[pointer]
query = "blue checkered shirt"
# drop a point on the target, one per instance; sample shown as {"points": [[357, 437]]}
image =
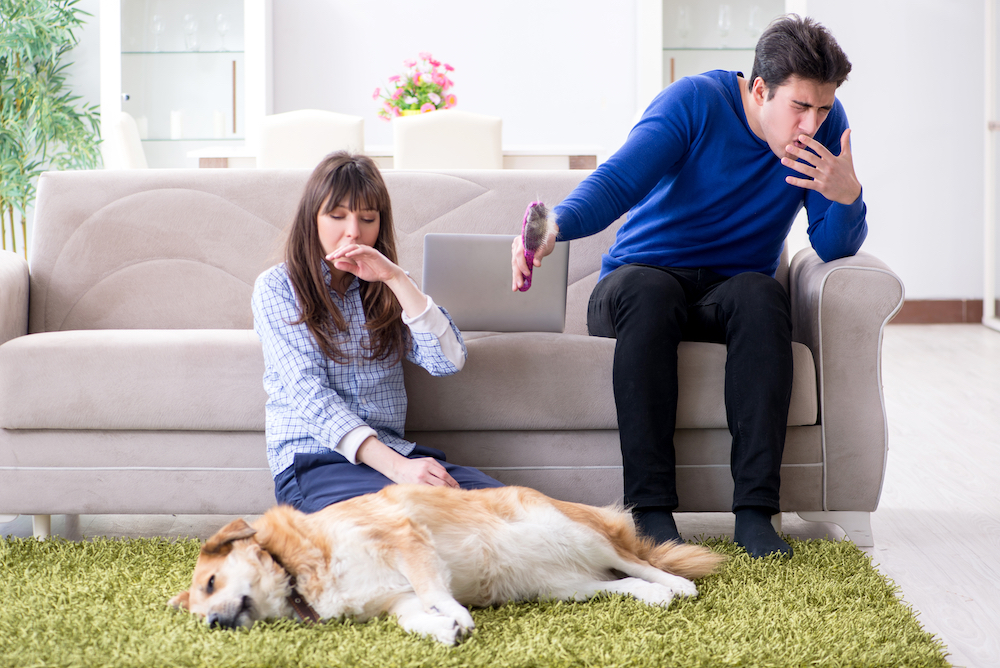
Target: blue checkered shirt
{"points": [[313, 401]]}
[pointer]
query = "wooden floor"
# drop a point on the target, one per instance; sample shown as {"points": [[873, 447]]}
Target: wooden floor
{"points": [[937, 530]]}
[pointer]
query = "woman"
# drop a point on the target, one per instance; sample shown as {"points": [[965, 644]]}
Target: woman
{"points": [[336, 319]]}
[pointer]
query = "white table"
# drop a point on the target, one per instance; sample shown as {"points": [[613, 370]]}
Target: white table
{"points": [[514, 157]]}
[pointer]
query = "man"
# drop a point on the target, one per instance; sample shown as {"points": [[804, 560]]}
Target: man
{"points": [[712, 177]]}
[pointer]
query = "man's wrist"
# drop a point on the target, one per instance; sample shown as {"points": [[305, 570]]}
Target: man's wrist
{"points": [[851, 200]]}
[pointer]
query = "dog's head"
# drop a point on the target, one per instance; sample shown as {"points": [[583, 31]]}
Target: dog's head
{"points": [[235, 582]]}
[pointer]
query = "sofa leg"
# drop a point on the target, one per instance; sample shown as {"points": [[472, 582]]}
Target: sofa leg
{"points": [[42, 526], [856, 524], [776, 522], [71, 530]]}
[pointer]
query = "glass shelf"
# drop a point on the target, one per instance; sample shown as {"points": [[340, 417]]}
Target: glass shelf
{"points": [[176, 53], [709, 48], [214, 140]]}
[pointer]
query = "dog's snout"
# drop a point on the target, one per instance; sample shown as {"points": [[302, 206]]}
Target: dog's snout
{"points": [[217, 621], [231, 616]]}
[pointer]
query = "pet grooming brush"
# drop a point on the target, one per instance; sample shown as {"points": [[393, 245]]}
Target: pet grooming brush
{"points": [[538, 224]]}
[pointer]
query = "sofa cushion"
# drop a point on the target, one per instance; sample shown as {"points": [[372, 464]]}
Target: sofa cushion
{"points": [[535, 380], [210, 379], [204, 379]]}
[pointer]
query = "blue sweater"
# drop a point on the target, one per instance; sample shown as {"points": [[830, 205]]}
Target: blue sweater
{"points": [[703, 191]]}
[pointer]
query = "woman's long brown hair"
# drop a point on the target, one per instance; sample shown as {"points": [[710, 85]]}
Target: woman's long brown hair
{"points": [[341, 176]]}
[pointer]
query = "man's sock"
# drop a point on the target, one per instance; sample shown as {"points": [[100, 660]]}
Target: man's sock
{"points": [[757, 536], [657, 523]]}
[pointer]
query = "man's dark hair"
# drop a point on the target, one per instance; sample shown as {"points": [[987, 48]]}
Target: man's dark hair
{"points": [[800, 47]]}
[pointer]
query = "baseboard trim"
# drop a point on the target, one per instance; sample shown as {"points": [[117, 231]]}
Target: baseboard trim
{"points": [[939, 311]]}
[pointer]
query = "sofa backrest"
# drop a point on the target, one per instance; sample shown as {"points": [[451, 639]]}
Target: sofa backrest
{"points": [[181, 248]]}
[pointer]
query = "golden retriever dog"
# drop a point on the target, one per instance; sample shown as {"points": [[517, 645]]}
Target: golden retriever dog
{"points": [[424, 553]]}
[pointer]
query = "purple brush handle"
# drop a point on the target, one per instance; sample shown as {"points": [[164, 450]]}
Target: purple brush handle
{"points": [[529, 254], [529, 257]]}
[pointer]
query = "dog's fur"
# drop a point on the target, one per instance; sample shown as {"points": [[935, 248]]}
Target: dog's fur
{"points": [[423, 553]]}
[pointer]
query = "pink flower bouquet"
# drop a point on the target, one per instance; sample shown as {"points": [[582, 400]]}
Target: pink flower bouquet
{"points": [[424, 87]]}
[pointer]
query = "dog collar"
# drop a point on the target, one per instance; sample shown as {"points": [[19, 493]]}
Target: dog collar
{"points": [[295, 599], [299, 604]]}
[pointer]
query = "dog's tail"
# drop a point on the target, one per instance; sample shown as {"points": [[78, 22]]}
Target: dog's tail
{"points": [[688, 561], [616, 524]]}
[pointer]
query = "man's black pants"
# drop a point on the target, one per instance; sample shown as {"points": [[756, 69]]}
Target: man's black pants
{"points": [[649, 310]]}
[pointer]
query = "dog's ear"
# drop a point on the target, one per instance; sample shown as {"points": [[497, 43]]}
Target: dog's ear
{"points": [[181, 600], [221, 542]]}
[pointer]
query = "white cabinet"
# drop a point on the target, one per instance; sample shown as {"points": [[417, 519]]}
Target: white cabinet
{"points": [[192, 73], [991, 129], [676, 38]]}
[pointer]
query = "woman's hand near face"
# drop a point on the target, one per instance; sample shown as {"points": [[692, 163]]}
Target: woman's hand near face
{"points": [[364, 262], [370, 265]]}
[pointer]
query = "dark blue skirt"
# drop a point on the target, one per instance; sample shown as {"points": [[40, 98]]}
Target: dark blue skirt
{"points": [[314, 481]]}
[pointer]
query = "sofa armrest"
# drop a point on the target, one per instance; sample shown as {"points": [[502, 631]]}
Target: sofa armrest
{"points": [[839, 310], [13, 296]]}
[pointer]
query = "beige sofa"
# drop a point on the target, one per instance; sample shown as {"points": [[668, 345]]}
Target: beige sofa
{"points": [[130, 378]]}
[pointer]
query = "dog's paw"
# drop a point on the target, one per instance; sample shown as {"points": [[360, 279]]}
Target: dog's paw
{"points": [[447, 620], [682, 586], [657, 594], [439, 627], [451, 632], [458, 612]]}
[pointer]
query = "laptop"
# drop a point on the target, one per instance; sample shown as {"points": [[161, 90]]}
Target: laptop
{"points": [[470, 276]]}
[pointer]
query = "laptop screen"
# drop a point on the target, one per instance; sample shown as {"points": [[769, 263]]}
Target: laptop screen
{"points": [[470, 276]]}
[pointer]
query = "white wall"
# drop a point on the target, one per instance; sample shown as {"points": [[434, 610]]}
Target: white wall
{"points": [[556, 71], [915, 102], [563, 72]]}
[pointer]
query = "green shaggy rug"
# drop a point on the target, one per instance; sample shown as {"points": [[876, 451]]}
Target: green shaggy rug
{"points": [[103, 603]]}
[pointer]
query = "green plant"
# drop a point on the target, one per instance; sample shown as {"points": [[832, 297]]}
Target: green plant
{"points": [[42, 124]]}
